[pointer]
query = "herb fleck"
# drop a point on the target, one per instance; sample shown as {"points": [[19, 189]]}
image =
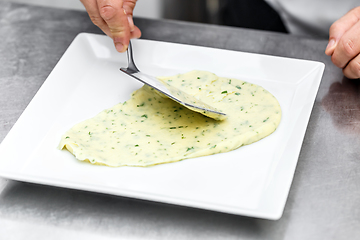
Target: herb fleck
{"points": [[190, 149], [141, 105]]}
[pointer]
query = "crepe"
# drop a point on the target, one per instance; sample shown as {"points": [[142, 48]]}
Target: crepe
{"points": [[151, 129]]}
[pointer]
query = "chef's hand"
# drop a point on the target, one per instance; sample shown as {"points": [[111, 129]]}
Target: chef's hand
{"points": [[114, 18], [344, 43]]}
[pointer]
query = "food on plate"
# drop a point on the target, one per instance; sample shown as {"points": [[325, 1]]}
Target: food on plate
{"points": [[151, 129]]}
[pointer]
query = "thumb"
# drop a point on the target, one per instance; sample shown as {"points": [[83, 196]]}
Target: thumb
{"points": [[341, 26], [115, 17]]}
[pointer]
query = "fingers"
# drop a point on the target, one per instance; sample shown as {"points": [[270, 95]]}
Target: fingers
{"points": [[348, 47], [340, 27], [129, 6], [116, 19], [136, 33], [344, 43], [94, 14], [352, 70]]}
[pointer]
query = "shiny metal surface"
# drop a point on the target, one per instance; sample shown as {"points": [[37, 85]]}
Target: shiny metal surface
{"points": [[171, 92], [324, 198]]}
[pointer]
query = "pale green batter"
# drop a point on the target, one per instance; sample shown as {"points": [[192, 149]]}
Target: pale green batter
{"points": [[149, 129]]}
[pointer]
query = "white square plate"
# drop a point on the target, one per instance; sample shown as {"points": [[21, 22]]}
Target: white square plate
{"points": [[253, 180]]}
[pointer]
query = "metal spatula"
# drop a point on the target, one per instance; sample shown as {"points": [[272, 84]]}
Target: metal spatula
{"points": [[183, 98]]}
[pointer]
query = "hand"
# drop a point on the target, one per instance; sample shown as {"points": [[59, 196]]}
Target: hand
{"points": [[344, 43], [114, 18]]}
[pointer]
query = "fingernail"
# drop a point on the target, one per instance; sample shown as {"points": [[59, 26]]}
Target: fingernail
{"points": [[131, 23], [119, 47], [330, 44]]}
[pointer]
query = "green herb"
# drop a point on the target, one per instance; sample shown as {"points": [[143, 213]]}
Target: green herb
{"points": [[148, 135], [198, 77], [229, 81], [145, 116], [141, 105], [172, 127], [136, 145], [213, 147], [237, 94], [223, 92], [190, 149], [67, 137], [266, 119]]}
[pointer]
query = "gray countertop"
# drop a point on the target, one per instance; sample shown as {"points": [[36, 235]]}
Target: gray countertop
{"points": [[324, 198]]}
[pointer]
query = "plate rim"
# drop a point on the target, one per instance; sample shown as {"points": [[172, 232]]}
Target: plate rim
{"points": [[272, 215]]}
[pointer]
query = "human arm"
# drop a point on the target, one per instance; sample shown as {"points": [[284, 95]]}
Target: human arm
{"points": [[115, 19]]}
